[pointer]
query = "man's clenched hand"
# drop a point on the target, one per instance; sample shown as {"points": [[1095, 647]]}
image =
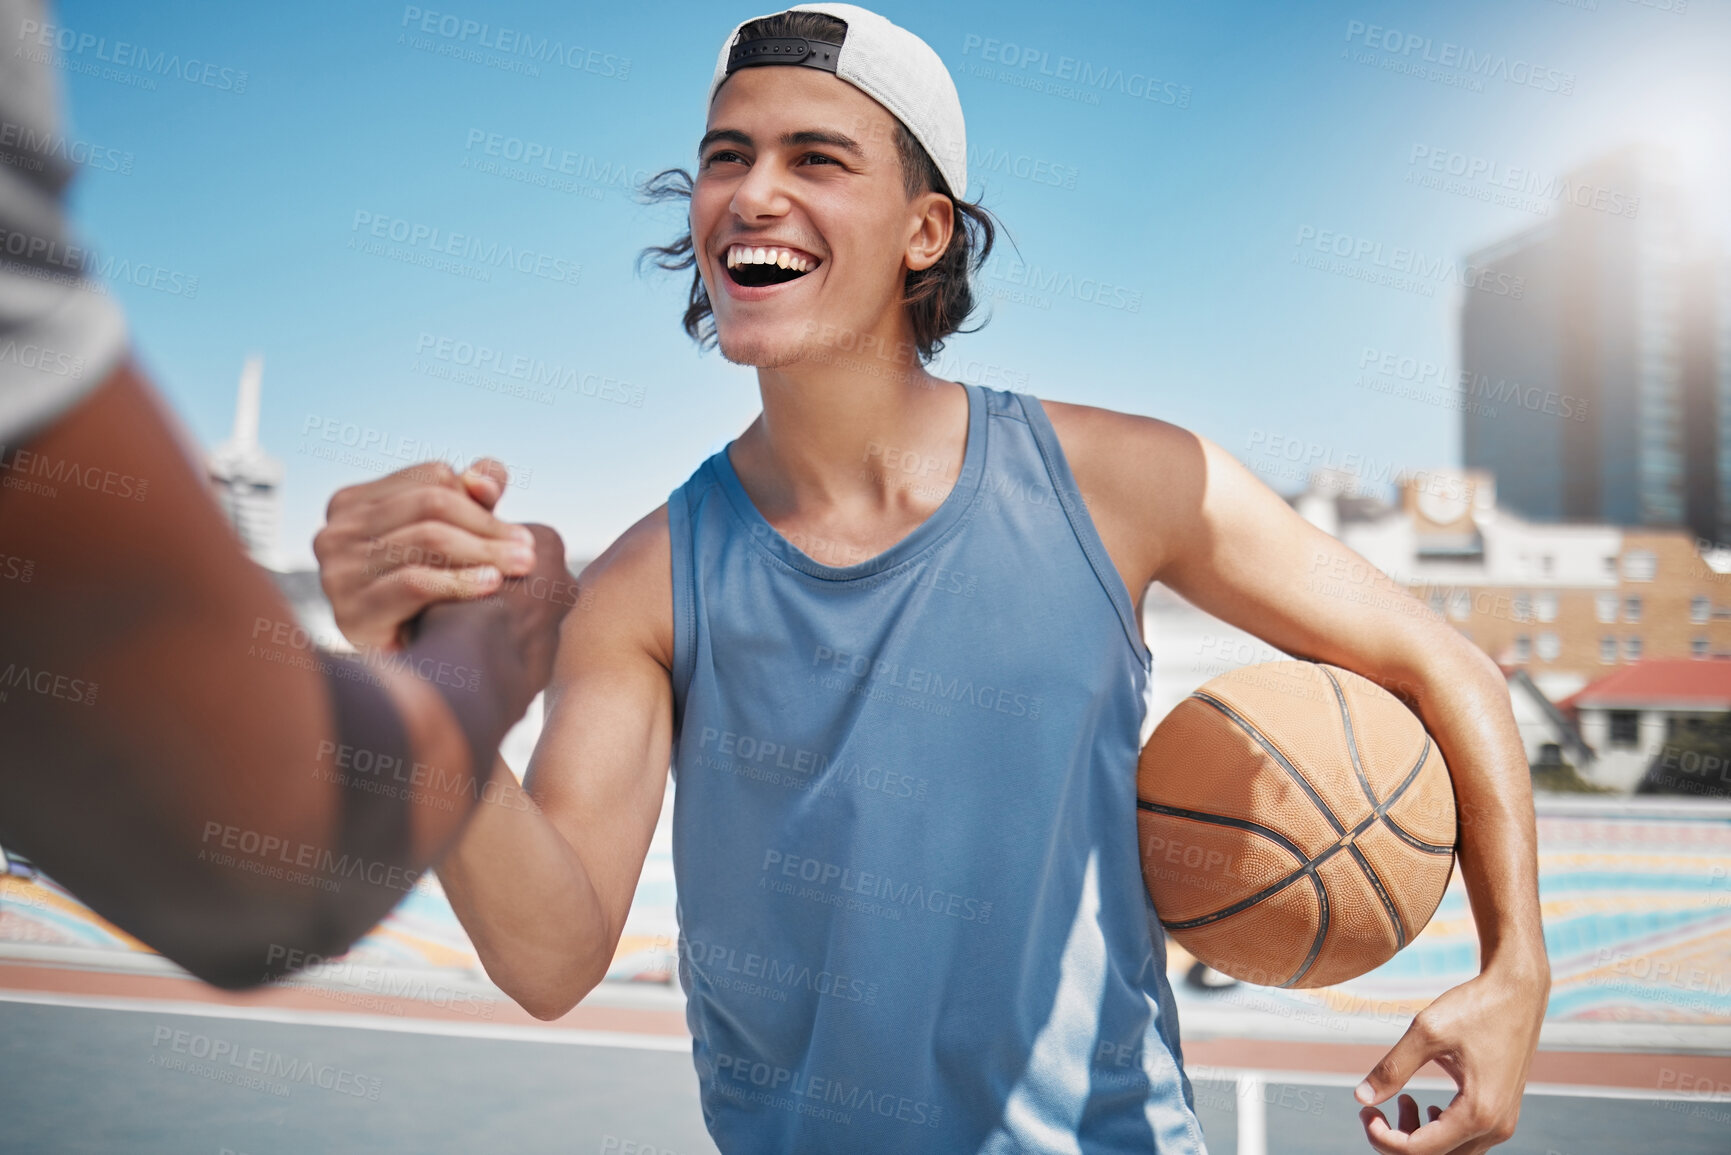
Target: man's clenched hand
{"points": [[391, 548]]}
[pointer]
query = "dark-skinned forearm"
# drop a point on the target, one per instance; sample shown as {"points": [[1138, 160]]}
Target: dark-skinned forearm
{"points": [[435, 708]]}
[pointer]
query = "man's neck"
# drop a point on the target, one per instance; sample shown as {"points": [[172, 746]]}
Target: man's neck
{"points": [[875, 439]]}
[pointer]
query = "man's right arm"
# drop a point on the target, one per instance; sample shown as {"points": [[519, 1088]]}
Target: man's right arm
{"points": [[542, 878], [544, 888]]}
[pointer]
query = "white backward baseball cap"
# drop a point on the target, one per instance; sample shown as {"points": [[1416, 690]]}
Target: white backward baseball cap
{"points": [[883, 60]]}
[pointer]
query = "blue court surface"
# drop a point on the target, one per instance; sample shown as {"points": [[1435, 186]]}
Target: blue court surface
{"points": [[404, 1046]]}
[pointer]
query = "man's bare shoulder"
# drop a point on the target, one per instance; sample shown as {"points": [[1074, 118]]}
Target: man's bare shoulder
{"points": [[626, 593], [1140, 478]]}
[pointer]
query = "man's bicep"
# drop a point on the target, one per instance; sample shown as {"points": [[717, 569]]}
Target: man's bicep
{"points": [[1250, 559]]}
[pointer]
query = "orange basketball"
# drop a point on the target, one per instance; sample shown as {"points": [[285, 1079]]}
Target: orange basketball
{"points": [[1297, 824]]}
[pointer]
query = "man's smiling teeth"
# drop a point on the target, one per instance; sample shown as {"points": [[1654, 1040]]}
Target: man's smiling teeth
{"points": [[782, 258]]}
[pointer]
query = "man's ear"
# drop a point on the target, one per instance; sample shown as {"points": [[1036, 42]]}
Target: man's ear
{"points": [[934, 225]]}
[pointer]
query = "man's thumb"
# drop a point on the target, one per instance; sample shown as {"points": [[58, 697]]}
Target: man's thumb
{"points": [[1396, 1067]]}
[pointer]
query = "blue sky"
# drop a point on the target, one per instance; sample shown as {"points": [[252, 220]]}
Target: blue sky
{"points": [[1267, 120]]}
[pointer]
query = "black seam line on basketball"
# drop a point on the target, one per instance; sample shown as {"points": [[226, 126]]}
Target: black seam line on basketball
{"points": [[1377, 811], [1379, 814], [1321, 932], [1387, 902], [1250, 728], [1415, 843], [1381, 811], [1307, 865], [1272, 888], [1351, 738], [1222, 820]]}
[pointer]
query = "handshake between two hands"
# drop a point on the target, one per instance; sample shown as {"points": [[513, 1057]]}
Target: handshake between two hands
{"points": [[393, 549]]}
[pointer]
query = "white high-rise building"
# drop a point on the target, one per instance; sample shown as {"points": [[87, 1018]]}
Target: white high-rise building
{"points": [[248, 481]]}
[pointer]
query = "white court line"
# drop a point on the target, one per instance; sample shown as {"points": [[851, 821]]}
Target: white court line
{"points": [[1200, 1073], [1204, 1073], [404, 1025]]}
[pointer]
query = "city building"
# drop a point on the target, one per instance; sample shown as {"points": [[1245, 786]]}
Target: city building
{"points": [[247, 480], [1630, 718], [1565, 602], [1601, 387]]}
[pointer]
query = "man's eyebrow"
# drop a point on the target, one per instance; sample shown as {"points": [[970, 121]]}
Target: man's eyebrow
{"points": [[820, 136], [732, 135], [788, 139]]}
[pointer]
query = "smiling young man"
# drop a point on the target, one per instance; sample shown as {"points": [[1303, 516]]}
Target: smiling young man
{"points": [[889, 639]]}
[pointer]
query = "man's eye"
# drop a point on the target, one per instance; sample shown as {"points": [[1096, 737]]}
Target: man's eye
{"points": [[822, 157], [721, 154]]}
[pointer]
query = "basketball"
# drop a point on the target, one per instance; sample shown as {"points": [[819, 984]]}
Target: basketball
{"points": [[1297, 824]]}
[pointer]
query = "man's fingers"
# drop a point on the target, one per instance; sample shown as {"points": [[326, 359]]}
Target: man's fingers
{"points": [[1443, 1135], [401, 508], [424, 473], [486, 480], [1400, 1064], [403, 593], [426, 585], [1408, 1114], [440, 545]]}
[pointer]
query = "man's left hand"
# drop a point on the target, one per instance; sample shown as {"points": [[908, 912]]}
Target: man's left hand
{"points": [[1483, 1033]]}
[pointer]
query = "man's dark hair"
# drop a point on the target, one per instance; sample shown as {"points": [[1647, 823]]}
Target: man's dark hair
{"points": [[938, 298]]}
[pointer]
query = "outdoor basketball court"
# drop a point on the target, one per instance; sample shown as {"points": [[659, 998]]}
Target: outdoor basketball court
{"points": [[82, 1079], [404, 1045]]}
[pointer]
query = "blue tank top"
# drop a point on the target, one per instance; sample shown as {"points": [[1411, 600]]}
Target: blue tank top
{"points": [[911, 908]]}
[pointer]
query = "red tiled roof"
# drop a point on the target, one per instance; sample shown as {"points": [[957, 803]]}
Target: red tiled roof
{"points": [[1702, 682]]}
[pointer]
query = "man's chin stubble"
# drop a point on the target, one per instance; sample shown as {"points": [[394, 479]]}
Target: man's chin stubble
{"points": [[761, 355]]}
